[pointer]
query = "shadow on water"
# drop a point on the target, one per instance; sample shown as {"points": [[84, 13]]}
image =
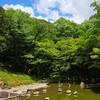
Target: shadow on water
{"points": [[96, 89]]}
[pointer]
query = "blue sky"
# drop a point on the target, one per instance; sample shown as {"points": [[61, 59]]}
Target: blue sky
{"points": [[51, 10]]}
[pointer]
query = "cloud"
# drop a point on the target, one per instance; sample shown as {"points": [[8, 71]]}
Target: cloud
{"points": [[29, 10], [22, 8], [53, 15], [82, 10], [53, 9], [40, 17], [42, 6]]}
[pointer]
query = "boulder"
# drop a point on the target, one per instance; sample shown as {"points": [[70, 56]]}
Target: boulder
{"points": [[82, 85], [36, 93], [75, 93], [59, 90], [47, 98], [44, 90], [6, 95], [68, 92]]}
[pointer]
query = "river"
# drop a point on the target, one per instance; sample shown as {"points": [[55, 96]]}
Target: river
{"points": [[53, 94]]}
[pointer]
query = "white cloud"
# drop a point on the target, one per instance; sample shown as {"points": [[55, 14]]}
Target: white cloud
{"points": [[43, 6], [40, 17], [53, 15], [77, 19], [80, 9], [66, 6], [54, 9], [22, 8], [29, 10]]}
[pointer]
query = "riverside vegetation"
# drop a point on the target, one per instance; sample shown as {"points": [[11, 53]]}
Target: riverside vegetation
{"points": [[63, 50], [15, 79]]}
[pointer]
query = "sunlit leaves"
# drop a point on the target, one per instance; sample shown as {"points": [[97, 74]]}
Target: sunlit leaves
{"points": [[28, 56], [48, 47], [94, 56], [96, 50]]}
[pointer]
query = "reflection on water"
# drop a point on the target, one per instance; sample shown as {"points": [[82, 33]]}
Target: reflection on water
{"points": [[53, 93]]}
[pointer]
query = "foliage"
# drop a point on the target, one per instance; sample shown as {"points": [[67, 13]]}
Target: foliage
{"points": [[60, 50]]}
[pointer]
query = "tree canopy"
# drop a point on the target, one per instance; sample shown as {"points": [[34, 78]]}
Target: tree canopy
{"points": [[61, 50]]}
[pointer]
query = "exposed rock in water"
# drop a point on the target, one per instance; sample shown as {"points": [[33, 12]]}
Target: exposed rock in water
{"points": [[82, 85], [36, 93], [47, 98], [68, 92], [75, 93], [59, 90]]}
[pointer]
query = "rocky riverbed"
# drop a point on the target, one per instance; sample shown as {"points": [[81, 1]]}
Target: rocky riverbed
{"points": [[6, 95], [16, 91]]}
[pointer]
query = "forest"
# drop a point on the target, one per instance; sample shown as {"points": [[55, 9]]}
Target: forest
{"points": [[63, 50]]}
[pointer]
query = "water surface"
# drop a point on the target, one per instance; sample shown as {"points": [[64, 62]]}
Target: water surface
{"points": [[53, 94]]}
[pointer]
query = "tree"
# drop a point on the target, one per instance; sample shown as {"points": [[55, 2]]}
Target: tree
{"points": [[67, 28], [44, 54], [20, 39], [4, 24]]}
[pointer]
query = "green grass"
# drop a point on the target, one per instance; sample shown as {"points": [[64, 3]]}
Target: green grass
{"points": [[15, 79]]}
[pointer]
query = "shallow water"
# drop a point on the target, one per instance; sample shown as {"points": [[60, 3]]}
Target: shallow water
{"points": [[53, 94]]}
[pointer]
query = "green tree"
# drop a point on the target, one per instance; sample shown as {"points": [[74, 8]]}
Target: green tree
{"points": [[67, 28]]}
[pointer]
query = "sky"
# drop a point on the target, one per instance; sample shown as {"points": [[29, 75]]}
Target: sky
{"points": [[51, 10]]}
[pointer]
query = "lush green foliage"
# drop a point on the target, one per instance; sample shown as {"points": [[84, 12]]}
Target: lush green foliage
{"points": [[60, 50]]}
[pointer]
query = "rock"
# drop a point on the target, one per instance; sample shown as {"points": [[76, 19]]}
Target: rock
{"points": [[47, 98], [60, 85], [59, 90], [68, 92], [29, 91], [44, 80], [5, 95], [44, 90], [75, 93], [82, 85], [23, 93], [36, 93], [28, 95]]}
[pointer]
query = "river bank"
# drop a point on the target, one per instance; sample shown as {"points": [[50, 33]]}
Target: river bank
{"points": [[19, 89], [15, 79]]}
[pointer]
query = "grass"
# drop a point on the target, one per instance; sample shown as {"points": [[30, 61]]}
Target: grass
{"points": [[15, 79]]}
